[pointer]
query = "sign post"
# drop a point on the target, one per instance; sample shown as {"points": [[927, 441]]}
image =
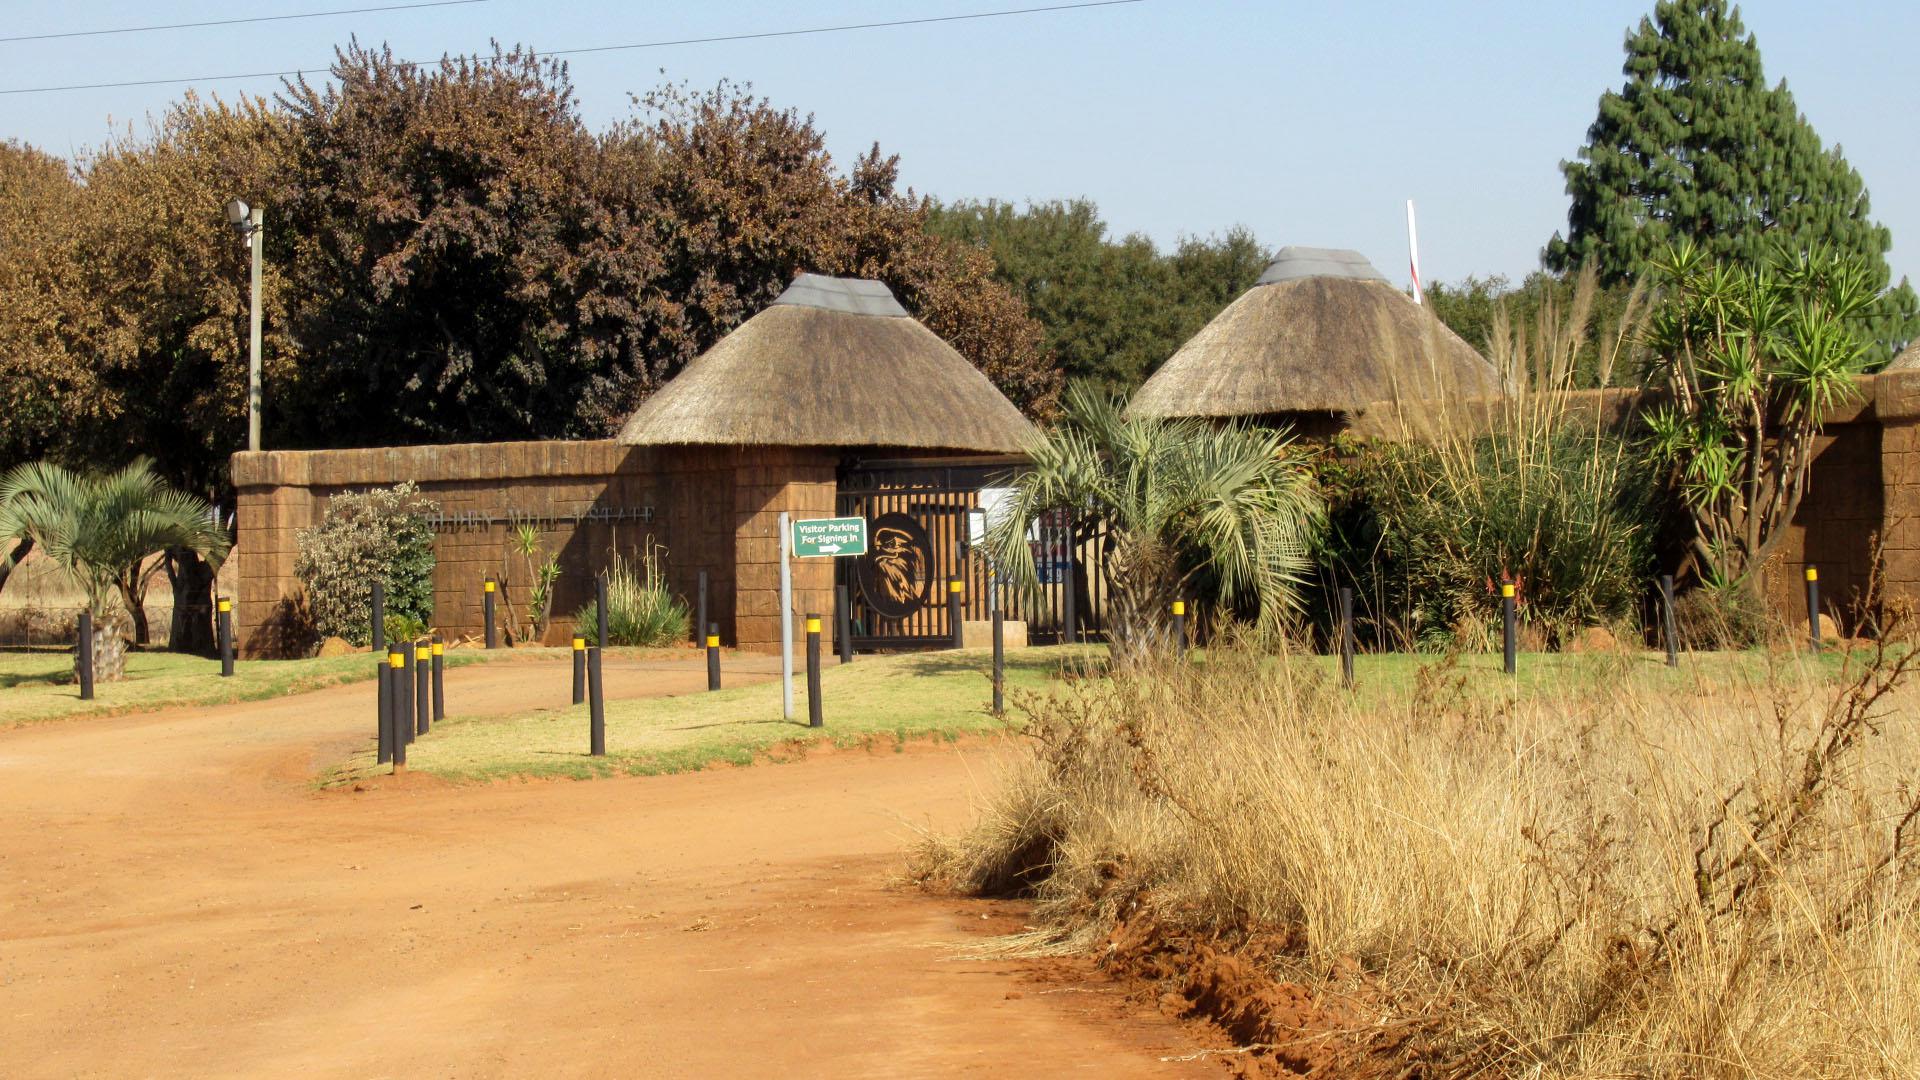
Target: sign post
{"points": [[816, 538], [786, 615], [830, 536]]}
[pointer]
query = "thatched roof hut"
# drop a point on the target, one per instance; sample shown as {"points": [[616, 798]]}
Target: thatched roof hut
{"points": [[1908, 360], [1321, 332], [831, 362]]}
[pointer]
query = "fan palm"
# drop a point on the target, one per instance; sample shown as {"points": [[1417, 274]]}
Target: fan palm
{"points": [[100, 529], [1180, 499]]}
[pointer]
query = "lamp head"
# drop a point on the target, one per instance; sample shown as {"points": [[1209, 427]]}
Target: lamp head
{"points": [[237, 212]]}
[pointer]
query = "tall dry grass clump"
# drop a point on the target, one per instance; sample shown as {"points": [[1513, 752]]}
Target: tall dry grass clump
{"points": [[1638, 874], [1542, 487]]}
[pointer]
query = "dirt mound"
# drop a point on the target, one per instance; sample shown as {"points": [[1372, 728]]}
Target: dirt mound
{"points": [[1347, 1028]]}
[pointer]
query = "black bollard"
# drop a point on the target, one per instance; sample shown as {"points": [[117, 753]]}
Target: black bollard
{"points": [[399, 693], [843, 624], [955, 616], [1508, 616], [385, 712], [596, 707], [700, 624], [85, 647], [1346, 637], [579, 669], [1813, 609], [713, 656], [1180, 627], [223, 609], [813, 672], [403, 694], [493, 632], [999, 661], [600, 606], [1667, 620], [439, 679], [422, 688], [379, 617], [1069, 618]]}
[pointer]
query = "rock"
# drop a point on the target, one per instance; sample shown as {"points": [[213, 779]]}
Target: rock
{"points": [[336, 646], [1829, 630], [559, 634], [1594, 639]]}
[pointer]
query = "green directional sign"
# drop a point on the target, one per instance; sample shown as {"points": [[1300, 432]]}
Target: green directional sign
{"points": [[826, 537]]}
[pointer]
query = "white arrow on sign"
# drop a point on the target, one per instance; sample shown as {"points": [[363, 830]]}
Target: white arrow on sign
{"points": [[827, 549]]}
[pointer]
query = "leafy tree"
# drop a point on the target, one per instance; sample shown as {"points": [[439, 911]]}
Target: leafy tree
{"points": [[1113, 309], [47, 390], [474, 263], [1183, 501], [1696, 147], [1754, 357], [101, 529]]}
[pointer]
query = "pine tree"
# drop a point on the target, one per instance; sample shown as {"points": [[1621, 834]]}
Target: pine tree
{"points": [[1696, 146]]}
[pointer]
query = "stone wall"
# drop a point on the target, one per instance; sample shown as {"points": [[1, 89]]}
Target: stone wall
{"points": [[695, 507], [1865, 487]]}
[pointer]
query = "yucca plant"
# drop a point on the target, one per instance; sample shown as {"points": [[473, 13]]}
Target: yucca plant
{"points": [[640, 609], [100, 529], [1755, 356], [1181, 499]]}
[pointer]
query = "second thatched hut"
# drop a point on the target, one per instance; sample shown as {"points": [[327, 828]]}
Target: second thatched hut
{"points": [[1319, 338]]}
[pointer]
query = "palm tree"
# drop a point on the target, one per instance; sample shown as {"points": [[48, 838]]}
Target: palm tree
{"points": [[1180, 498], [100, 528]]}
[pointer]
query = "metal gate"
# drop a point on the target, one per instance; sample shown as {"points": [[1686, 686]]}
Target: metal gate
{"points": [[921, 514]]}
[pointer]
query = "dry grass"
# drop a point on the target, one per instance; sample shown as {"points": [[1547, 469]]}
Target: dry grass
{"points": [[1709, 876]]}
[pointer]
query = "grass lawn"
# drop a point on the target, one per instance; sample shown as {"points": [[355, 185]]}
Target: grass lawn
{"points": [[886, 699], [890, 699], [36, 684]]}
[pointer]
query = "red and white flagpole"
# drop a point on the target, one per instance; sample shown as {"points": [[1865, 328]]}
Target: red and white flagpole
{"points": [[1413, 253]]}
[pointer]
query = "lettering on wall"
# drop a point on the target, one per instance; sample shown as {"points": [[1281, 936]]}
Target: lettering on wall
{"points": [[475, 520]]}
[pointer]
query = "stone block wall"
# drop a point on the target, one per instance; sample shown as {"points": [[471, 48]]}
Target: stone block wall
{"points": [[693, 507]]}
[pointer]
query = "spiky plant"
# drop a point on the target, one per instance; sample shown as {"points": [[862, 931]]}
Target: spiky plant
{"points": [[100, 528], [1180, 499]]}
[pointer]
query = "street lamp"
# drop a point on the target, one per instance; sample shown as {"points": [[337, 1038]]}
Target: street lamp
{"points": [[249, 222]]}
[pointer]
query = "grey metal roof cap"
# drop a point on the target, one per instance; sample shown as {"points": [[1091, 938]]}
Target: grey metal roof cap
{"points": [[854, 296], [1294, 263]]}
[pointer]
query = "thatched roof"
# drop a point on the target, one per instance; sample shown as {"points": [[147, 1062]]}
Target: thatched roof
{"points": [[1322, 331], [1908, 360], [831, 362]]}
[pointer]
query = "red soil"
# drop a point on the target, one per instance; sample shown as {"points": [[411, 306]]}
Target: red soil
{"points": [[176, 899]]}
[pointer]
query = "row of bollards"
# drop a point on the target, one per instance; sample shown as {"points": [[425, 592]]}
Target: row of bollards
{"points": [[411, 688]]}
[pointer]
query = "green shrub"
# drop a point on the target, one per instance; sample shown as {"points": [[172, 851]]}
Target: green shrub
{"points": [[402, 626], [1535, 489], [381, 534], [1565, 513], [640, 610]]}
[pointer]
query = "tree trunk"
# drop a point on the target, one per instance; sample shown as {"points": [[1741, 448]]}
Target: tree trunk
{"points": [[192, 578], [20, 550], [109, 651], [1145, 583], [137, 610]]}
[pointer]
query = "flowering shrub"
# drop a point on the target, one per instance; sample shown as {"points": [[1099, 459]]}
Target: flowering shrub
{"points": [[366, 536]]}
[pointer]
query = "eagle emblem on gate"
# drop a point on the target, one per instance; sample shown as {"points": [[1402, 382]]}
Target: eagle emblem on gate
{"points": [[896, 573]]}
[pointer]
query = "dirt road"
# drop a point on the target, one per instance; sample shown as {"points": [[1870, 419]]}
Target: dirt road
{"points": [[176, 899]]}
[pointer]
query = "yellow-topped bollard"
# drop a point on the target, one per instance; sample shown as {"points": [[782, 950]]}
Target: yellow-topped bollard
{"points": [[579, 669]]}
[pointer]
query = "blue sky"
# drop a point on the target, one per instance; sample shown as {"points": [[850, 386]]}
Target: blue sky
{"points": [[1308, 123]]}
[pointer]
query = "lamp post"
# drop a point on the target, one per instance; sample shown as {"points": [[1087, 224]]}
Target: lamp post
{"points": [[249, 222]]}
